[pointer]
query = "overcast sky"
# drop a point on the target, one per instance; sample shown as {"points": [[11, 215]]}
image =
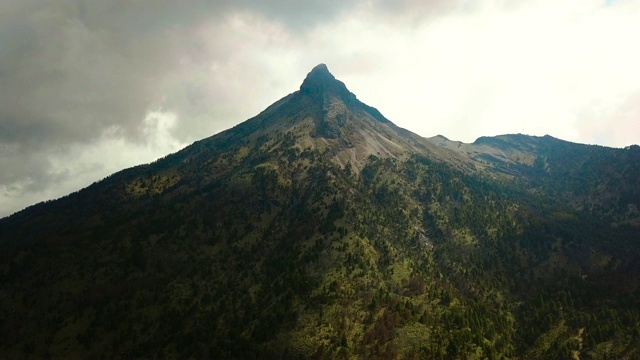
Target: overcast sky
{"points": [[88, 88]]}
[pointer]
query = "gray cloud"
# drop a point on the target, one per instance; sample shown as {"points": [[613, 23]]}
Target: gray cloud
{"points": [[70, 69]]}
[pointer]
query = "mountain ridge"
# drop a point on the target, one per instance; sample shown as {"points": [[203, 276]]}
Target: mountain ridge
{"points": [[320, 81]]}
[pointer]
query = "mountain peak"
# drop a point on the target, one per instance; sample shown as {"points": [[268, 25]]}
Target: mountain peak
{"points": [[321, 68], [320, 81]]}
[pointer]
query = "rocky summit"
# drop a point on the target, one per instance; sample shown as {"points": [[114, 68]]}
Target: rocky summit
{"points": [[319, 229]]}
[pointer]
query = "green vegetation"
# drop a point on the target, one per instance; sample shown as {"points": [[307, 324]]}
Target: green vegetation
{"points": [[274, 240], [299, 258]]}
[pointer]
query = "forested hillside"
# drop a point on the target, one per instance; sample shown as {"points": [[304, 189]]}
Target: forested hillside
{"points": [[318, 229]]}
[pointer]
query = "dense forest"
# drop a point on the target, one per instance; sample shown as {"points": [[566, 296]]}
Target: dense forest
{"points": [[282, 239]]}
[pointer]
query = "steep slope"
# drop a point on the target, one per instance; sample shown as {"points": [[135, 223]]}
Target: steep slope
{"points": [[324, 116], [320, 229]]}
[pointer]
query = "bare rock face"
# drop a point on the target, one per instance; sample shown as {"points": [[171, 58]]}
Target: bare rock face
{"points": [[332, 96], [337, 103], [348, 128], [320, 84]]}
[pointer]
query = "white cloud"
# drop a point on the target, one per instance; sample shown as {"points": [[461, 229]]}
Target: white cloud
{"points": [[536, 69]]}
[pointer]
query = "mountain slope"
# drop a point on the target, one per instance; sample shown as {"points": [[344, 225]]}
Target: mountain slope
{"points": [[320, 229], [603, 181]]}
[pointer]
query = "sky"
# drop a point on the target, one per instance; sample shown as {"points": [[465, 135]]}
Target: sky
{"points": [[88, 88]]}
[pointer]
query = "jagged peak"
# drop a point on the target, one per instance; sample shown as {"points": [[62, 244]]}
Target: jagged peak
{"points": [[320, 81], [321, 68], [319, 72]]}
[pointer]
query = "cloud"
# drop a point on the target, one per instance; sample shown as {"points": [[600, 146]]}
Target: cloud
{"points": [[536, 68], [70, 69], [85, 75], [61, 172]]}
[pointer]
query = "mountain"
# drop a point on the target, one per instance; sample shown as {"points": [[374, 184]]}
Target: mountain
{"points": [[319, 229]]}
